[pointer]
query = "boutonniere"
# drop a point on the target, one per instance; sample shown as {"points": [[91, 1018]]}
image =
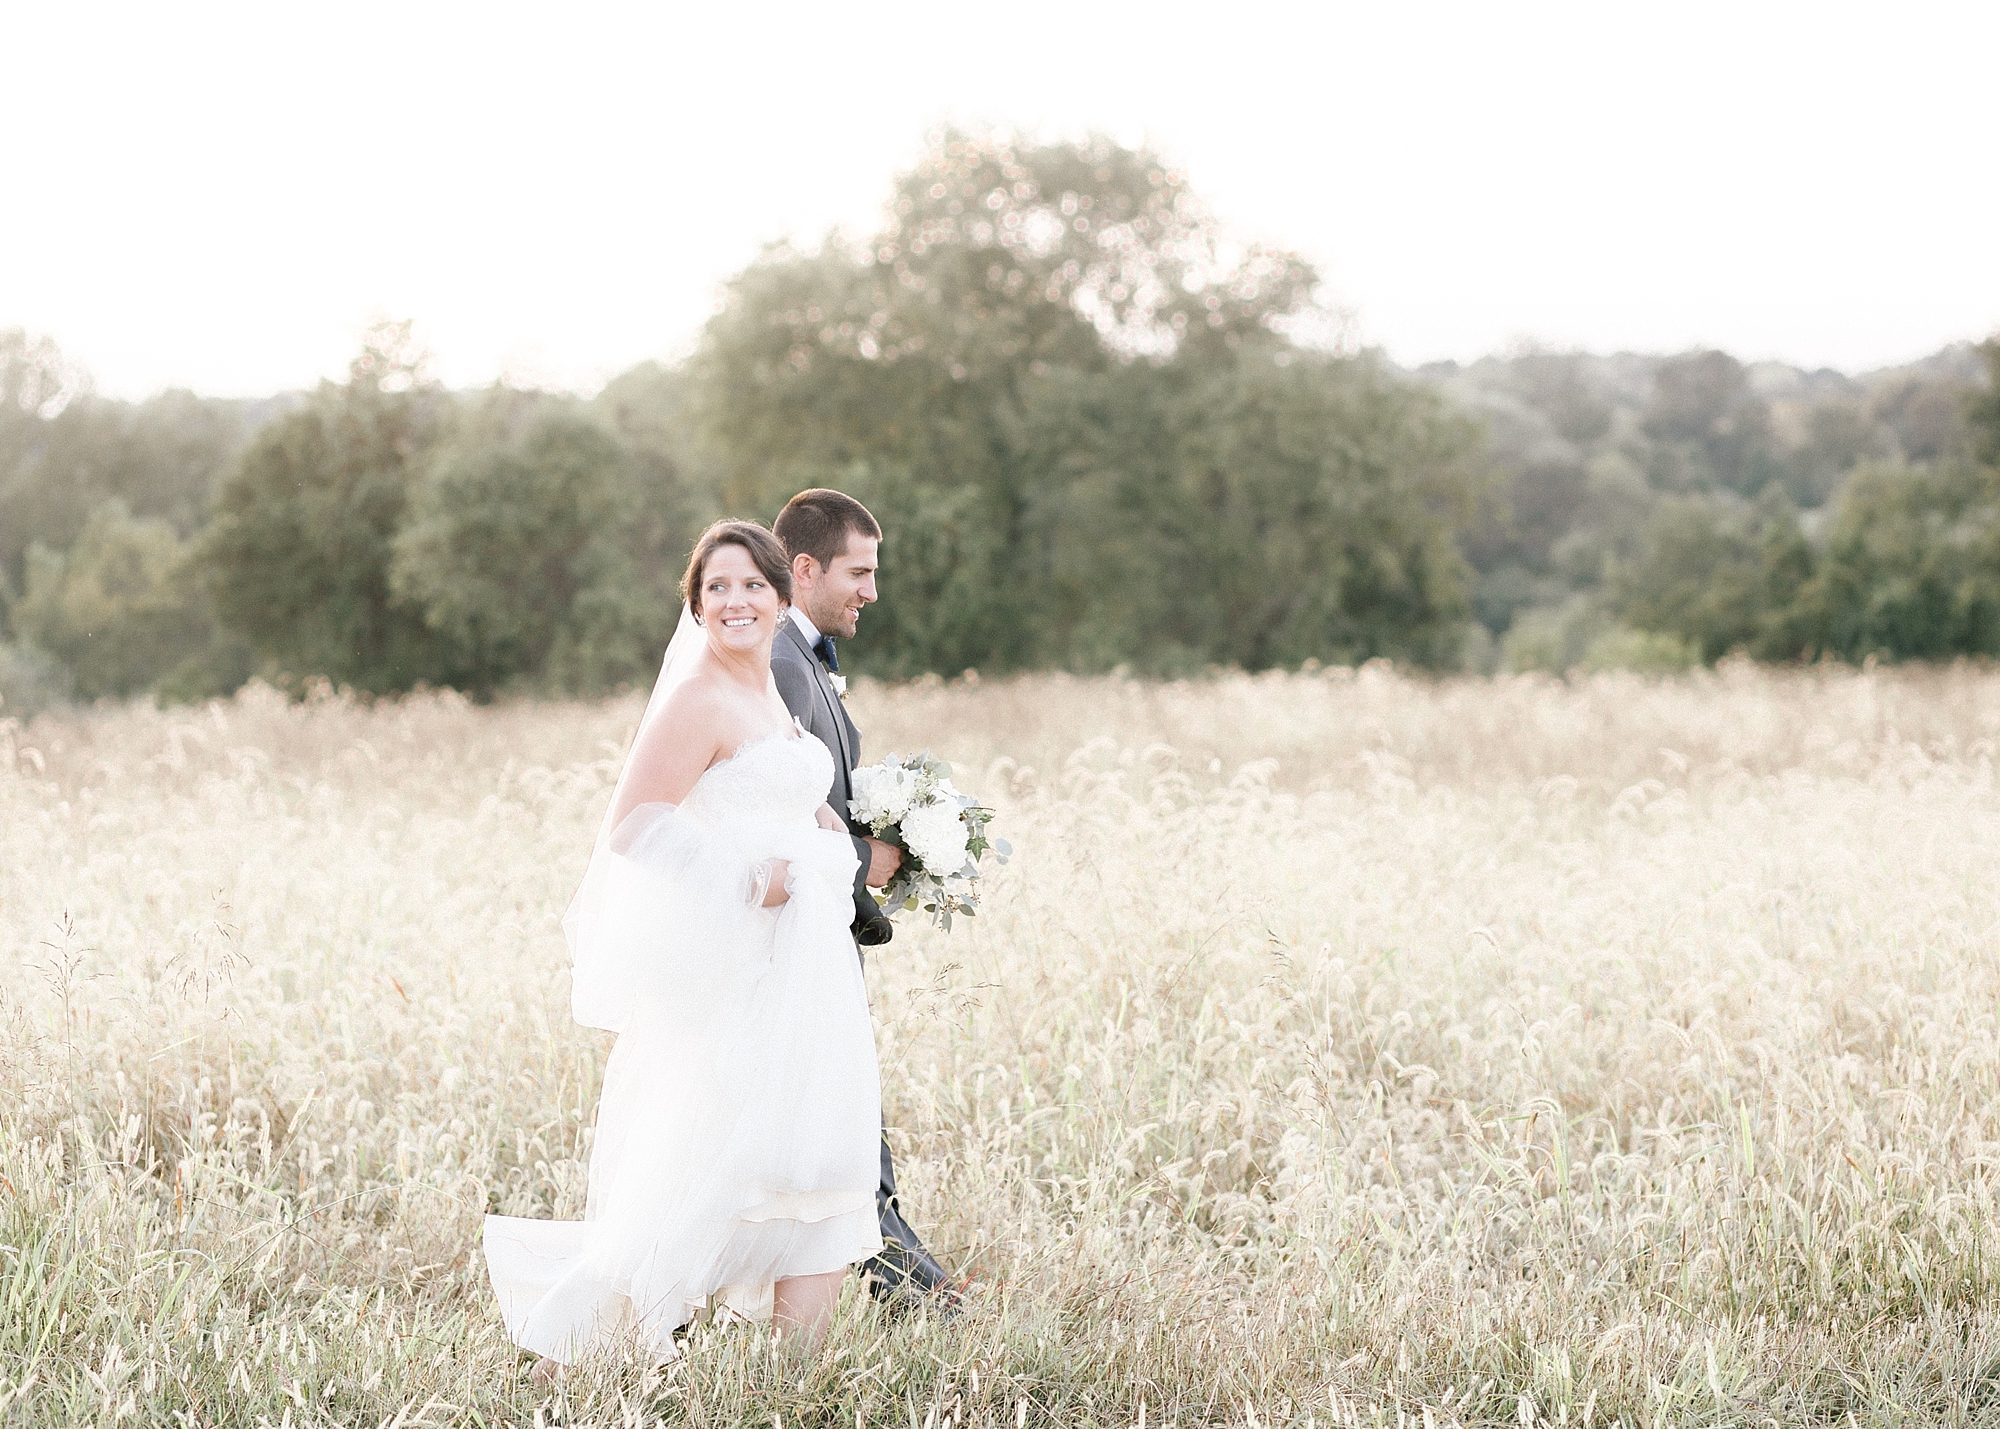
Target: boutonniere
{"points": [[839, 684]]}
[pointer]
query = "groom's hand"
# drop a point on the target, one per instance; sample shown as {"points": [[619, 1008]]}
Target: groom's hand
{"points": [[883, 861]]}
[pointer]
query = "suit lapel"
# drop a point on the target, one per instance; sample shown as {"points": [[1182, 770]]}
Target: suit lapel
{"points": [[843, 728]]}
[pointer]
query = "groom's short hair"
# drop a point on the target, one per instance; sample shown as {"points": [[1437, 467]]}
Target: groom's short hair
{"points": [[818, 523]]}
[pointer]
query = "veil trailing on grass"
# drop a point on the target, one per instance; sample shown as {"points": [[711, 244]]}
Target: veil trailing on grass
{"points": [[603, 972]]}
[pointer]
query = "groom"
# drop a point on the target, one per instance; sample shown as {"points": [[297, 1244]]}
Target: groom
{"points": [[832, 541]]}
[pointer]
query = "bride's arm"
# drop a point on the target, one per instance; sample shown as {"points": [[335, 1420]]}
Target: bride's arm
{"points": [[673, 751]]}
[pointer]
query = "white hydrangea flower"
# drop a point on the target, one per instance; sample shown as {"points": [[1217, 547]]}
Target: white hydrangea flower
{"points": [[882, 794], [902, 791], [868, 786], [936, 835]]}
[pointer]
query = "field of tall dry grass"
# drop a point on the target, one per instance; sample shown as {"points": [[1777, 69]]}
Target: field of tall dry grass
{"points": [[1339, 1048]]}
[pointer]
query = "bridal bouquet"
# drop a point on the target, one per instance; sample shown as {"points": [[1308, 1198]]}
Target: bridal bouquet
{"points": [[911, 803]]}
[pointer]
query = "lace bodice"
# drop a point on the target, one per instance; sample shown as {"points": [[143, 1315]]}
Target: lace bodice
{"points": [[779, 778]]}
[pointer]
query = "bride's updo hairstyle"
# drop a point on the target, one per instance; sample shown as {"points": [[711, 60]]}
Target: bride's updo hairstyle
{"points": [[765, 552]]}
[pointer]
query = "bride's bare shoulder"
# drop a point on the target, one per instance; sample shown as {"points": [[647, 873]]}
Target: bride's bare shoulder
{"points": [[689, 733], [695, 711]]}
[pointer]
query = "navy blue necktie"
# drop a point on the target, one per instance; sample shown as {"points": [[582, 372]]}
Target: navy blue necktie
{"points": [[825, 652]]}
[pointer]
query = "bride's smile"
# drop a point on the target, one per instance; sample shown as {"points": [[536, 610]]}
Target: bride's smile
{"points": [[738, 603]]}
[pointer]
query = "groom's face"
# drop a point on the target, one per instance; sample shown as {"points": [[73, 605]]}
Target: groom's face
{"points": [[832, 596]]}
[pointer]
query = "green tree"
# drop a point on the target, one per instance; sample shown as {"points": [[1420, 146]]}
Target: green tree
{"points": [[64, 452], [1033, 369], [1912, 565], [1839, 436], [532, 545], [1714, 429], [653, 409], [1252, 510], [1721, 577], [299, 548], [1982, 409], [121, 609]]}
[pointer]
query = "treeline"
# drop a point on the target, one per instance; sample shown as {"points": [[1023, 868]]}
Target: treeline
{"points": [[1098, 432], [380, 532], [1662, 511], [1086, 419]]}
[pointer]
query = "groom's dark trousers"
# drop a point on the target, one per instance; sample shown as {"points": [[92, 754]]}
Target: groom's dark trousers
{"points": [[904, 1268]]}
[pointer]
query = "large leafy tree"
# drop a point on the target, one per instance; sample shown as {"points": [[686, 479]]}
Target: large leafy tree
{"points": [[1912, 561], [1249, 511], [65, 452], [298, 552], [1082, 413], [1912, 564], [120, 609], [536, 546], [1722, 576], [995, 263]]}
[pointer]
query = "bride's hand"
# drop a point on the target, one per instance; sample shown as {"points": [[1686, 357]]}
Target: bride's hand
{"points": [[767, 887], [830, 820]]}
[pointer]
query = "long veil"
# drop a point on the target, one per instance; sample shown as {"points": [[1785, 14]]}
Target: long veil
{"points": [[602, 978]]}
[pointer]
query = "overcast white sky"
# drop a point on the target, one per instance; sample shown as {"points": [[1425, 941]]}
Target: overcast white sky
{"points": [[221, 197]]}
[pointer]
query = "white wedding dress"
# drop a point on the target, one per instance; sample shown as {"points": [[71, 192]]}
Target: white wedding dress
{"points": [[738, 1130]]}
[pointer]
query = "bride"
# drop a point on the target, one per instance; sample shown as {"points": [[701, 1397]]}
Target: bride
{"points": [[736, 1142]]}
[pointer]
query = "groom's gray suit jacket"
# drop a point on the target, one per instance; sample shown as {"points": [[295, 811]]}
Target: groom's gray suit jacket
{"points": [[808, 692]]}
